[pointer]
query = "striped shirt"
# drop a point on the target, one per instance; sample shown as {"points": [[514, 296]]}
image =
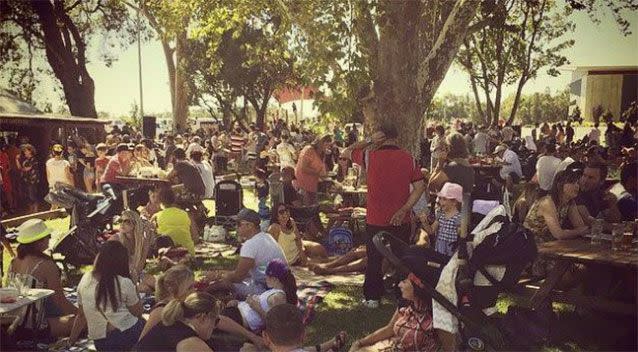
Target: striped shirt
{"points": [[237, 143], [447, 232]]}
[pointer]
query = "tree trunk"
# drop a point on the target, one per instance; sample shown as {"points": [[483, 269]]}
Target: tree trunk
{"points": [[66, 53], [180, 108], [170, 67], [517, 100], [410, 64]]}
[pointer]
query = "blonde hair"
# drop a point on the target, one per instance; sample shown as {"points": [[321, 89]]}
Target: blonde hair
{"points": [[196, 303], [139, 246], [169, 282]]}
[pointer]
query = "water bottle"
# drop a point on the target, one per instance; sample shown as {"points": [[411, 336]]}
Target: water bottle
{"points": [[596, 232]]}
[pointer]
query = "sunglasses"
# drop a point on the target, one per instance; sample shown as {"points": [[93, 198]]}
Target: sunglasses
{"points": [[282, 211], [126, 221]]}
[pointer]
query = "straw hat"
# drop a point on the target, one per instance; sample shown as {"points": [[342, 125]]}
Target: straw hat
{"points": [[32, 230]]}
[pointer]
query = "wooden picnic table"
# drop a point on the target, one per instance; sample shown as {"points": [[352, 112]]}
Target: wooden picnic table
{"points": [[567, 253], [33, 295]]}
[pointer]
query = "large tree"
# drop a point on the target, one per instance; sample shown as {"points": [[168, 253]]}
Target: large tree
{"points": [[61, 29], [513, 49], [406, 47], [248, 49]]}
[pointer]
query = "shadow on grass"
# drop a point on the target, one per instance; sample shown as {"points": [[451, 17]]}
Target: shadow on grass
{"points": [[341, 310]]}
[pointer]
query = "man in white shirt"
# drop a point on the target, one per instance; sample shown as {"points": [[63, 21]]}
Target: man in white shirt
{"points": [[194, 145], [546, 168], [594, 134], [258, 249], [58, 169], [480, 141], [286, 153], [511, 172]]}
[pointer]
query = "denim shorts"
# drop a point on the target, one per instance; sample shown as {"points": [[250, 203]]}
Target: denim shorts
{"points": [[120, 340]]}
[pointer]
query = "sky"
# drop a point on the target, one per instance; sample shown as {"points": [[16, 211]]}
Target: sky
{"points": [[117, 86]]}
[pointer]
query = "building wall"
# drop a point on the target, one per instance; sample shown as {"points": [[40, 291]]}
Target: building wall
{"points": [[603, 90]]}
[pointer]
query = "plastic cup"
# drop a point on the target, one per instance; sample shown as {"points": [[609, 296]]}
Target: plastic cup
{"points": [[617, 235]]}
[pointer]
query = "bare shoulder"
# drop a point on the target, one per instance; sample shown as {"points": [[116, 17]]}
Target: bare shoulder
{"points": [[192, 344], [274, 228]]}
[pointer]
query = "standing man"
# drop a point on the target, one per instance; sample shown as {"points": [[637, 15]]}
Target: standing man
{"points": [[480, 141], [569, 133], [594, 134], [390, 172]]}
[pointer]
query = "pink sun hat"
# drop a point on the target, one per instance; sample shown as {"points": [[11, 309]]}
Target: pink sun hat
{"points": [[451, 191]]}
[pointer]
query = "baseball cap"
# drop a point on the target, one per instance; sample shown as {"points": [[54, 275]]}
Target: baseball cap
{"points": [[277, 268], [248, 215], [57, 148], [122, 147]]}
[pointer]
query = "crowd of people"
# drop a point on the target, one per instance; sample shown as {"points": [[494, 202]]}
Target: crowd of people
{"points": [[558, 186]]}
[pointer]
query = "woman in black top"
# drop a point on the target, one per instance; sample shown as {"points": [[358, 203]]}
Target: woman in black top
{"points": [[457, 170], [186, 325]]}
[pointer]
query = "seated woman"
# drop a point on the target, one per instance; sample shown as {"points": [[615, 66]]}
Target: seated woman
{"points": [[282, 289], [174, 222], [109, 303], [186, 325], [38, 270], [410, 328], [548, 213], [137, 235], [176, 284], [284, 230]]}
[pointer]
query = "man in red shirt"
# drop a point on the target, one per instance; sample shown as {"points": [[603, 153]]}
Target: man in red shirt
{"points": [[118, 165], [390, 172]]}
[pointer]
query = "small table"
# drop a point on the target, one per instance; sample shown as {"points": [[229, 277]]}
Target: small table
{"points": [[34, 295], [580, 251], [132, 181]]}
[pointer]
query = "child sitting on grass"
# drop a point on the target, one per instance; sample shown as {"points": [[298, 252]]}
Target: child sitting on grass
{"points": [[282, 289], [448, 219]]}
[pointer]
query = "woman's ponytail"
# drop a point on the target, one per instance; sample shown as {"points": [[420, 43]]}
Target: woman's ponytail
{"points": [[195, 303], [172, 312], [290, 288]]}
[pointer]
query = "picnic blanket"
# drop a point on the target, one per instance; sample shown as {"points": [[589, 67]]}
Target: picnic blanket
{"points": [[310, 295]]}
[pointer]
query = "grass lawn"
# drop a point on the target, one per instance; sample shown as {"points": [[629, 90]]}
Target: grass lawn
{"points": [[341, 310]]}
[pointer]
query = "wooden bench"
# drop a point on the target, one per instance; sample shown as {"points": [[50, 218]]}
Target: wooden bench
{"points": [[44, 215]]}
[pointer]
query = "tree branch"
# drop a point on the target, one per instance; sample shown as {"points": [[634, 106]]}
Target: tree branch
{"points": [[366, 32], [442, 53], [72, 6]]}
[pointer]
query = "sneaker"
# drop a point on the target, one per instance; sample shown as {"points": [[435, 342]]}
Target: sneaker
{"points": [[370, 303]]}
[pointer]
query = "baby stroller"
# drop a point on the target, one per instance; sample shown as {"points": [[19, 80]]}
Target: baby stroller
{"points": [[229, 200], [90, 216], [502, 250]]}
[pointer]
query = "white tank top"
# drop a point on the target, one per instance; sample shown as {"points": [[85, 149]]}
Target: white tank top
{"points": [[286, 241], [251, 317]]}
